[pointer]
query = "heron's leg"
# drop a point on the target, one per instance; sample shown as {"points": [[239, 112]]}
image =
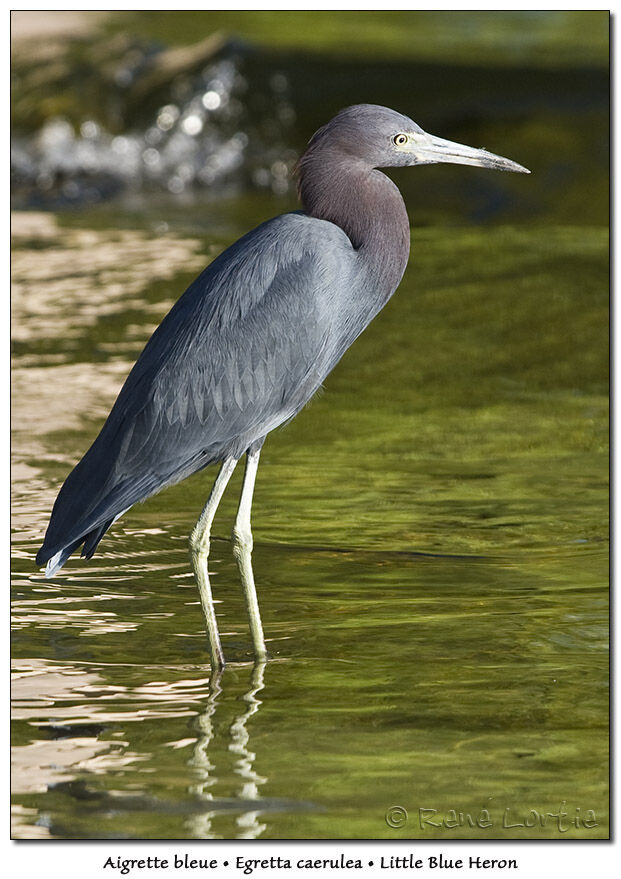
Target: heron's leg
{"points": [[242, 549], [199, 549]]}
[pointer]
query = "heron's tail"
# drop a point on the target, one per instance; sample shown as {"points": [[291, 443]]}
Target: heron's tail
{"points": [[55, 562], [54, 558], [97, 492]]}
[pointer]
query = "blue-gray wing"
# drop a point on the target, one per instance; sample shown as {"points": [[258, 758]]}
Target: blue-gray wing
{"points": [[242, 351]]}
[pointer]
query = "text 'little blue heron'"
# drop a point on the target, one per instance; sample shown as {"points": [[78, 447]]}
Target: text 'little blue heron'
{"points": [[252, 339]]}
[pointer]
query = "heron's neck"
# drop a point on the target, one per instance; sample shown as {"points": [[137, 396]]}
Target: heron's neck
{"points": [[366, 205]]}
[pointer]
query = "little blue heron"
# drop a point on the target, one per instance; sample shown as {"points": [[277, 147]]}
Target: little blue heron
{"points": [[252, 339]]}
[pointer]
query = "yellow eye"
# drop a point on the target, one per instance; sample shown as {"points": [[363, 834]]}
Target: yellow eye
{"points": [[400, 139]]}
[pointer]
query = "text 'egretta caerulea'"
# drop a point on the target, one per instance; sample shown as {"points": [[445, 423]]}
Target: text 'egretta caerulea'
{"points": [[251, 341]]}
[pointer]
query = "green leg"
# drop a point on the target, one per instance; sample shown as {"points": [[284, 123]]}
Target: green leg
{"points": [[242, 549], [199, 550]]}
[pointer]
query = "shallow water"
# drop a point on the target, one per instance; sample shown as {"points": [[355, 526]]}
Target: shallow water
{"points": [[430, 552]]}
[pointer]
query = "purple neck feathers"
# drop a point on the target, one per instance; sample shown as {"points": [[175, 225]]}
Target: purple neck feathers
{"points": [[364, 203]]}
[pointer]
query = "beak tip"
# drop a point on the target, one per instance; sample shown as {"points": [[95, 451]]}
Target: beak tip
{"points": [[516, 168]]}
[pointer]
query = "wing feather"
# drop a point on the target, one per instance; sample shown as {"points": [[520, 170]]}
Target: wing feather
{"points": [[242, 351]]}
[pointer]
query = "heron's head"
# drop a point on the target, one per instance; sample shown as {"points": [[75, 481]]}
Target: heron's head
{"points": [[383, 138]]}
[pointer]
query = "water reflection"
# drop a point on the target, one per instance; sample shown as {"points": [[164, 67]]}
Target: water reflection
{"points": [[248, 799], [66, 282], [63, 747], [86, 739]]}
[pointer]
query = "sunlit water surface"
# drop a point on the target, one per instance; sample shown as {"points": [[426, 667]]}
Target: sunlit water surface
{"points": [[430, 552]]}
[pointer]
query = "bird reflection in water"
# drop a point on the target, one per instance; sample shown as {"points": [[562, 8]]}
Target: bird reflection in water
{"points": [[248, 803]]}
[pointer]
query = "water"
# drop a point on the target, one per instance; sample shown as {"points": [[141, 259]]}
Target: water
{"points": [[430, 532], [430, 549]]}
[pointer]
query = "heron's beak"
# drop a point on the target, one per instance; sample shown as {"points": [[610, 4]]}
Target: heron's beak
{"points": [[429, 149]]}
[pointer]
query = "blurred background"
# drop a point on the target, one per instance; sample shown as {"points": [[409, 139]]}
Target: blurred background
{"points": [[430, 533], [211, 105]]}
